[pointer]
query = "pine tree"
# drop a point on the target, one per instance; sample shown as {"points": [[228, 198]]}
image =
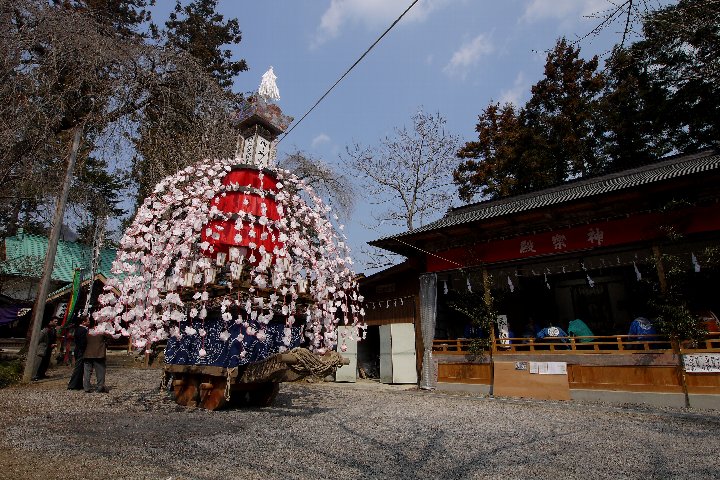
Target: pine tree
{"points": [[186, 117], [681, 47], [657, 95], [629, 124], [561, 112], [199, 30], [501, 143], [548, 141]]}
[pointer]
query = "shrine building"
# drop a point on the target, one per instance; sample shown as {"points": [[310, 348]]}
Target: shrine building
{"points": [[592, 253]]}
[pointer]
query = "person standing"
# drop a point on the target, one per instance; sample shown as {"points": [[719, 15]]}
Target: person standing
{"points": [[81, 333], [94, 359], [46, 343]]}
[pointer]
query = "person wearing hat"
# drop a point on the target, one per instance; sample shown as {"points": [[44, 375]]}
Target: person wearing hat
{"points": [[46, 343]]}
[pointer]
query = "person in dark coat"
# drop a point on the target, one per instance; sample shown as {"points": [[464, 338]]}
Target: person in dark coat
{"points": [[81, 332], [46, 343], [94, 359]]}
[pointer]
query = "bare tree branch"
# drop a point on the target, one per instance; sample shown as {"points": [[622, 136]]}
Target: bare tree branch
{"points": [[147, 111], [335, 187], [410, 171]]}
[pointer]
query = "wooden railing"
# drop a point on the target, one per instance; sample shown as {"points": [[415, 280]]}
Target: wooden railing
{"points": [[460, 346], [610, 344], [710, 344], [11, 343]]}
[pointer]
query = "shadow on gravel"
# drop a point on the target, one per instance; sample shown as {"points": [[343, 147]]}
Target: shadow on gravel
{"points": [[292, 404], [430, 450]]}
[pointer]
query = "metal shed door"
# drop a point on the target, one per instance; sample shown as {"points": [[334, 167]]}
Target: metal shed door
{"points": [[397, 353], [347, 373]]}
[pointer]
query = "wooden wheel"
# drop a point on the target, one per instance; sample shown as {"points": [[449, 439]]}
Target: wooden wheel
{"points": [[178, 380], [212, 393], [187, 390]]}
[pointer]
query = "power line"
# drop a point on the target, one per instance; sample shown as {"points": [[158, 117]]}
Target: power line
{"points": [[348, 71]]}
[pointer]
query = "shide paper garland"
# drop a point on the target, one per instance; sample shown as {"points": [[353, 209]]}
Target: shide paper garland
{"points": [[163, 260]]}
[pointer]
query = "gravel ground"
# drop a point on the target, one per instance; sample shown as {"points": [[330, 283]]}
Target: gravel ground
{"points": [[326, 430]]}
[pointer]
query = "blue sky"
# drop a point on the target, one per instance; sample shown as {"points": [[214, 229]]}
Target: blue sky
{"points": [[451, 56]]}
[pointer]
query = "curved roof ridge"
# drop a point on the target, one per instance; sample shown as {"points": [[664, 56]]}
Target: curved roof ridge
{"points": [[672, 167]]}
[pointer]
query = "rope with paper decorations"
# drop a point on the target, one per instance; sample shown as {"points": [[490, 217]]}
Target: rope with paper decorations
{"points": [[255, 244]]}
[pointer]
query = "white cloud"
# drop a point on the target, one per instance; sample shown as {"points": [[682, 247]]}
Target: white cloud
{"points": [[516, 93], [371, 14], [319, 140], [468, 55], [538, 10]]}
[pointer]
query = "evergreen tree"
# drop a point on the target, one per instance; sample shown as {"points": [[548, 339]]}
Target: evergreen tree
{"points": [[99, 190], [548, 141], [658, 95], [561, 112], [199, 30], [501, 142], [629, 123], [186, 117], [681, 49]]}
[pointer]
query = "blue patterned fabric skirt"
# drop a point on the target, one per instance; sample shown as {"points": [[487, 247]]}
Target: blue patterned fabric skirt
{"points": [[230, 353]]}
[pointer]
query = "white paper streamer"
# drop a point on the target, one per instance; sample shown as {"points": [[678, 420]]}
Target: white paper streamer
{"points": [[268, 87], [695, 262]]}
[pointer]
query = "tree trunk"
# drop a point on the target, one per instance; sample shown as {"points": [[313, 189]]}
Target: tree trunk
{"points": [[41, 298]]}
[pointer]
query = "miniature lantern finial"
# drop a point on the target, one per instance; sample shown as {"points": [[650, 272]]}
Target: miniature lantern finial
{"points": [[268, 88]]}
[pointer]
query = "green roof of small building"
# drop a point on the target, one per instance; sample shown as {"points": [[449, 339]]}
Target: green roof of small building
{"points": [[25, 254]]}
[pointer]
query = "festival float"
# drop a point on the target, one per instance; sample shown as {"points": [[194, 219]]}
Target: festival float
{"points": [[238, 267]]}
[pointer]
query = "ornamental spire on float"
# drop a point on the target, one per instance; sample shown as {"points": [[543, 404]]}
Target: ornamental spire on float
{"points": [[260, 121], [268, 88]]}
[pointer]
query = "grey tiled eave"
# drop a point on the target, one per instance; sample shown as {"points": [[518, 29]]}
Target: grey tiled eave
{"points": [[675, 167]]}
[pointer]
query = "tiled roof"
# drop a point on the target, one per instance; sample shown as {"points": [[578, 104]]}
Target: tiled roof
{"points": [[25, 253], [671, 168]]}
